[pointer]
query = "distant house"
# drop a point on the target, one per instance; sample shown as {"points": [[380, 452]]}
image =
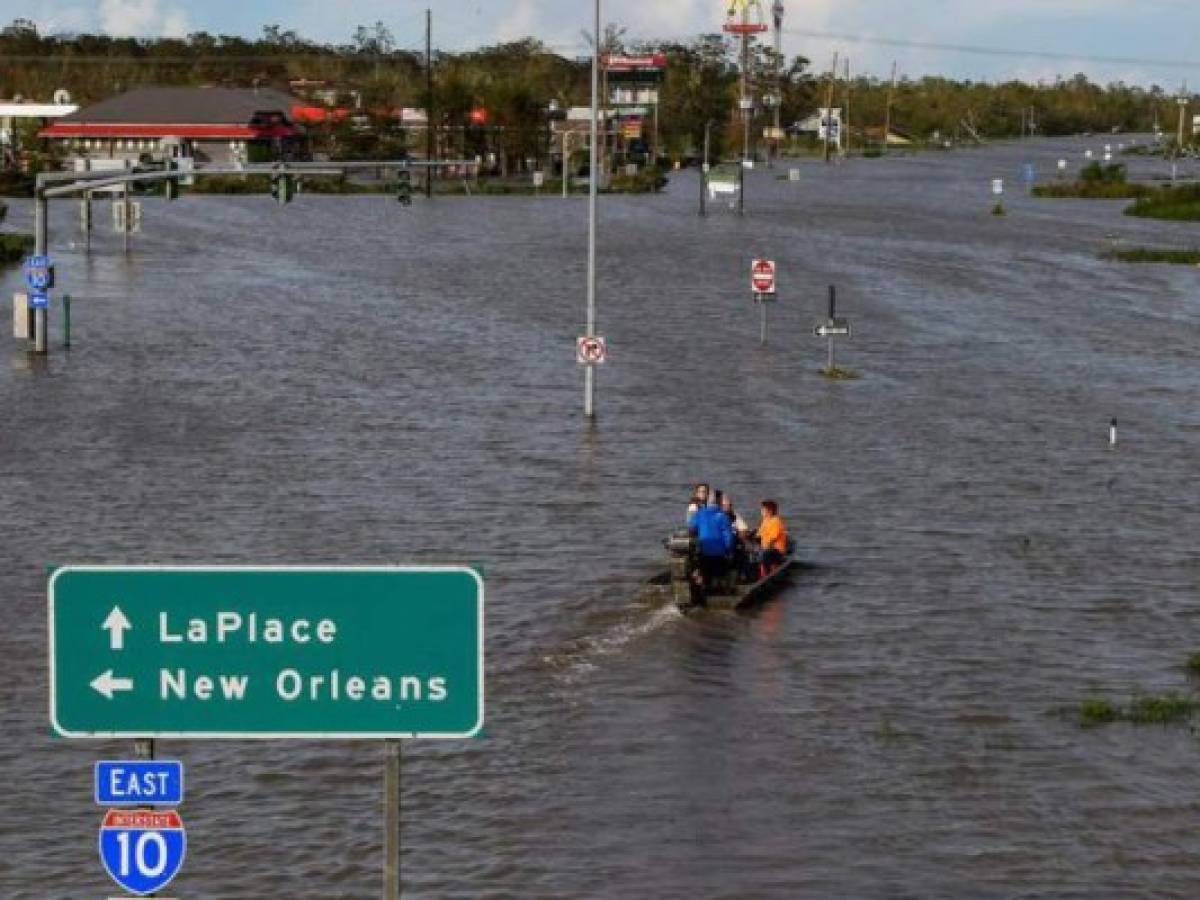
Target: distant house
{"points": [[210, 124]]}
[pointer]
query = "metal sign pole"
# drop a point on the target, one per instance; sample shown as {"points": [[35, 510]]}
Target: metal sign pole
{"points": [[830, 368], [87, 221], [762, 332], [128, 218], [742, 188], [589, 372], [40, 240], [143, 748], [391, 821]]}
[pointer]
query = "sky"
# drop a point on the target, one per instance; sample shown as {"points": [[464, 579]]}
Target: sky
{"points": [[1148, 38]]}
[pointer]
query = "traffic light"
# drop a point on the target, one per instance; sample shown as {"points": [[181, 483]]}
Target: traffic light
{"points": [[404, 188], [283, 188]]}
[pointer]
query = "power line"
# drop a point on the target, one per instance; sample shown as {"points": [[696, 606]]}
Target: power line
{"points": [[995, 51]]}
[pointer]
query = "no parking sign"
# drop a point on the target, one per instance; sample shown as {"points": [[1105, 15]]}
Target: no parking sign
{"points": [[591, 351], [142, 849]]}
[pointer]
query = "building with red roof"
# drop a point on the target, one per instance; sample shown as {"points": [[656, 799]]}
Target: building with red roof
{"points": [[210, 124]]}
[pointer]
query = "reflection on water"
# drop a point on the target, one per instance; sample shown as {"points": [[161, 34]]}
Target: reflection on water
{"points": [[347, 381]]}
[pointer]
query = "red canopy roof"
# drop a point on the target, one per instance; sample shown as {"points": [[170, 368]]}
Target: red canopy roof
{"points": [[140, 130]]}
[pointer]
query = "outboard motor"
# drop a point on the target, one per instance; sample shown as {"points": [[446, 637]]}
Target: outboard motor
{"points": [[681, 554]]}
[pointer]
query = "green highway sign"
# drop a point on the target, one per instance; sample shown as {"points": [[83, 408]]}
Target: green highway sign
{"points": [[276, 652]]}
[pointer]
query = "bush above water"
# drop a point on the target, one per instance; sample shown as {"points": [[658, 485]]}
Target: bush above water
{"points": [[1150, 255], [1180, 204]]}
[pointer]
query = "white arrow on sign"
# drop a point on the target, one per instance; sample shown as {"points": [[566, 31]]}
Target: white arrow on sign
{"points": [[116, 624], [107, 685], [828, 330]]}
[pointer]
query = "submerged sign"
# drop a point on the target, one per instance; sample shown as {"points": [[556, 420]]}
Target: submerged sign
{"points": [[229, 652]]}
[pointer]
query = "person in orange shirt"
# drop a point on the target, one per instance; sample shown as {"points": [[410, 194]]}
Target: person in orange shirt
{"points": [[772, 537]]}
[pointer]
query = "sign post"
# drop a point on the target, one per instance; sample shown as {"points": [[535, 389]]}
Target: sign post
{"points": [[39, 278], [832, 327], [762, 286], [276, 652]]}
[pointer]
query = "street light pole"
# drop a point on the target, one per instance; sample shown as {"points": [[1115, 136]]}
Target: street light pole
{"points": [[589, 371]]}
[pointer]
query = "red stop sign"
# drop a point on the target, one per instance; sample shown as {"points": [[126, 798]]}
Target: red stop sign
{"points": [[762, 276]]}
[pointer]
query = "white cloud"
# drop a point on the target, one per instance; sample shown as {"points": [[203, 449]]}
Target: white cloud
{"points": [[142, 18]]}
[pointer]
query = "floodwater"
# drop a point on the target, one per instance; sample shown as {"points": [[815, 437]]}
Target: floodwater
{"points": [[348, 381]]}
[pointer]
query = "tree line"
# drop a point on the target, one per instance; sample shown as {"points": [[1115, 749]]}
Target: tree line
{"points": [[515, 82]]}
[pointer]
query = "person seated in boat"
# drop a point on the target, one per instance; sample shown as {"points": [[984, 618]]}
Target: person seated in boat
{"points": [[772, 538], [714, 541], [736, 522], [741, 531], [699, 500]]}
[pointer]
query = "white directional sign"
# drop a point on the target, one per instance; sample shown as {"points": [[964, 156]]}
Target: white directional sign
{"points": [[834, 328], [591, 351]]}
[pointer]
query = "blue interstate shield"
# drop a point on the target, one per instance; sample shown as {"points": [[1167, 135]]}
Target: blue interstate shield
{"points": [[142, 849]]}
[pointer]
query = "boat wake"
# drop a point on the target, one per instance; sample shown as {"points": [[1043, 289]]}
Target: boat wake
{"points": [[585, 654]]}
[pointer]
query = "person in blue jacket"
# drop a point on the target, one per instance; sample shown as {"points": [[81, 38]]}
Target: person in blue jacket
{"points": [[715, 540]]}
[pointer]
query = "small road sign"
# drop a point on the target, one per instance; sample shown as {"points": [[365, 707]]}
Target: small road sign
{"points": [[139, 782], [130, 222], [833, 327], [997, 186], [38, 299], [142, 849], [275, 652], [762, 276], [38, 273], [591, 351]]}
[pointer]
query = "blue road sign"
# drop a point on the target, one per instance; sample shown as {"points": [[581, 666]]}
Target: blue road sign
{"points": [[37, 273], [142, 849], [39, 299], [1029, 173], [139, 782]]}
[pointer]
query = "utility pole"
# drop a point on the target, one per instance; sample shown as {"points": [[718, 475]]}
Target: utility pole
{"points": [[589, 371], [430, 143], [846, 123], [704, 170], [828, 117], [887, 114], [777, 11], [746, 102], [1183, 104]]}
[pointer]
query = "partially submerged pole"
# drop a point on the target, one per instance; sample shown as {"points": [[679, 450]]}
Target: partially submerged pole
{"points": [[589, 372], [40, 241], [832, 316], [391, 821], [126, 217]]}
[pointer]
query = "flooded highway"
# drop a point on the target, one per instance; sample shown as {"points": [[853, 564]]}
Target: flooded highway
{"points": [[344, 380]]}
